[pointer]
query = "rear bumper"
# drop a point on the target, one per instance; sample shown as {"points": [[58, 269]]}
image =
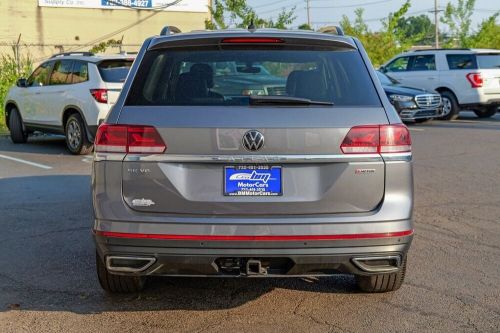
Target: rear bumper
{"points": [[229, 256]]}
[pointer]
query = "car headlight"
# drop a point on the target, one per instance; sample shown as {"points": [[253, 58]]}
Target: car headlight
{"points": [[401, 98], [250, 92]]}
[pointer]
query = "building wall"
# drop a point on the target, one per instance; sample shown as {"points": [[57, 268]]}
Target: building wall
{"points": [[48, 30]]}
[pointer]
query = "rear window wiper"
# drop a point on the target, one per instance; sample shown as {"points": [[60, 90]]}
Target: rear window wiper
{"points": [[284, 100]]}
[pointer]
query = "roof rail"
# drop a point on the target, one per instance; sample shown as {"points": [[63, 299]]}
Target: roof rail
{"points": [[86, 54], [442, 49], [169, 30], [127, 53], [332, 29]]}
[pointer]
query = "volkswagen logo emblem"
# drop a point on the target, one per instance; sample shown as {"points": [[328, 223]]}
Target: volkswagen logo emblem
{"points": [[253, 140]]}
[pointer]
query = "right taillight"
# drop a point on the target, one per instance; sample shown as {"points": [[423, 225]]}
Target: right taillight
{"points": [[371, 139], [475, 80], [132, 139]]}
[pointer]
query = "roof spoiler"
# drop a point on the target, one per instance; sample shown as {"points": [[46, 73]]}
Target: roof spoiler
{"points": [[169, 30], [332, 29]]}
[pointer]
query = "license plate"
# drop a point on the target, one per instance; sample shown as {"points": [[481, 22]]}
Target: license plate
{"points": [[252, 180]]}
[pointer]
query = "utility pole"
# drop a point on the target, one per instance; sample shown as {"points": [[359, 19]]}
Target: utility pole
{"points": [[308, 14], [436, 23]]}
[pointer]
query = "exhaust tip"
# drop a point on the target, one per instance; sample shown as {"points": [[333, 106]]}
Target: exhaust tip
{"points": [[378, 264], [128, 264]]}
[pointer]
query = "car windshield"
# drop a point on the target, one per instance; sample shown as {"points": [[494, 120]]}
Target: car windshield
{"points": [[386, 79], [201, 76], [114, 70], [488, 61]]}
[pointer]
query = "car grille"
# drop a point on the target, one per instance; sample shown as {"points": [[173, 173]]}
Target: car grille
{"points": [[428, 100], [276, 90]]}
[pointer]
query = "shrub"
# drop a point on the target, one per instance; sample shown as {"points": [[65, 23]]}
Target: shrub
{"points": [[10, 71]]}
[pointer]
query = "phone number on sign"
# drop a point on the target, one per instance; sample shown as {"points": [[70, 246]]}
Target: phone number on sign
{"points": [[128, 3]]}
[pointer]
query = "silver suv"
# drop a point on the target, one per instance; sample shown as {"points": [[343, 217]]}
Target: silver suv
{"points": [[192, 177]]}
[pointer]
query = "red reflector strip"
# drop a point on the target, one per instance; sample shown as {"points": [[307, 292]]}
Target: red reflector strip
{"points": [[252, 40], [254, 238]]}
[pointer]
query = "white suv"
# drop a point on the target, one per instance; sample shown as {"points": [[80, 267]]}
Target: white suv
{"points": [[465, 78], [70, 94]]}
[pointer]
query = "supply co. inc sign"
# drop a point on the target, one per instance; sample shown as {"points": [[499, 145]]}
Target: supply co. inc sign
{"points": [[182, 6]]}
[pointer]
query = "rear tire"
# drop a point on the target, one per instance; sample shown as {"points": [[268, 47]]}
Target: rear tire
{"points": [[381, 283], [76, 136], [119, 284], [487, 112], [18, 133], [451, 109]]}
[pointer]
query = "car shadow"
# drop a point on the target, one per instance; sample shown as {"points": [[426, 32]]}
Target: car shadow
{"points": [[466, 120], [37, 144], [47, 259]]}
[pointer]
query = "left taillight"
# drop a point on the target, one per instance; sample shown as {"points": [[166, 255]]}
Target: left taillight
{"points": [[131, 139], [475, 80], [100, 95]]}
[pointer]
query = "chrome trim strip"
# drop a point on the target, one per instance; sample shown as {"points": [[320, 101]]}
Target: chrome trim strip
{"points": [[376, 269], [99, 157], [149, 261], [405, 157], [254, 158]]}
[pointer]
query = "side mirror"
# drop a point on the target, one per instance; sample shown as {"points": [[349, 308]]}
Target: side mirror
{"points": [[23, 83], [382, 69]]}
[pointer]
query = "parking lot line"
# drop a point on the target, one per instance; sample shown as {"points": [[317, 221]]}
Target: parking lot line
{"points": [[38, 165], [416, 129]]}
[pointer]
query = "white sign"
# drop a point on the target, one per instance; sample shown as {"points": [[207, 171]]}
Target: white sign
{"points": [[200, 6]]}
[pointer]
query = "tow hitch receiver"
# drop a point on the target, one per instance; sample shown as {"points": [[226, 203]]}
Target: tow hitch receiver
{"points": [[254, 267]]}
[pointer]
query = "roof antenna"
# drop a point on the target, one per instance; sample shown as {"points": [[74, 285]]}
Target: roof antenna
{"points": [[252, 26]]}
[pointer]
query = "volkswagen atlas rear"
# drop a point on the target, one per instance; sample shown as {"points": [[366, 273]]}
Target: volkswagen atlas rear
{"points": [[299, 167]]}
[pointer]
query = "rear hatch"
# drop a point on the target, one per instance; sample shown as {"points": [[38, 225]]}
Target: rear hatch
{"points": [[489, 65], [114, 72], [215, 161]]}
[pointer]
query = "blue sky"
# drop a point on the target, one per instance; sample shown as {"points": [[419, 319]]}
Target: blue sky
{"points": [[331, 11]]}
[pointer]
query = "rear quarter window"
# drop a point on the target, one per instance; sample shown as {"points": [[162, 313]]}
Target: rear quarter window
{"points": [[461, 61], [203, 76]]}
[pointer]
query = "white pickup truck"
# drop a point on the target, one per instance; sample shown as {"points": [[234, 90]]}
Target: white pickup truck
{"points": [[467, 79]]}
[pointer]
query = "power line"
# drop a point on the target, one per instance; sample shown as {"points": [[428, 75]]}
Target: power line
{"points": [[268, 11], [351, 6], [155, 10], [117, 3], [269, 4], [380, 18]]}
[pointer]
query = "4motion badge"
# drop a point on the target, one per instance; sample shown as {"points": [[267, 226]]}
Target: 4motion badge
{"points": [[142, 202]]}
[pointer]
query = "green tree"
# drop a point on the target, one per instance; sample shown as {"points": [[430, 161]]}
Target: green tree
{"points": [[458, 19], [488, 35], [420, 26], [305, 26], [103, 46], [384, 44], [239, 14]]}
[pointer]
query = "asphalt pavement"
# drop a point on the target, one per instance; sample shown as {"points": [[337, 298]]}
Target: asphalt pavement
{"points": [[48, 282]]}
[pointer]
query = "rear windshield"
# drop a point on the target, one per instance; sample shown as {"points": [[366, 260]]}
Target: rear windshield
{"points": [[488, 61], [114, 70], [196, 76]]}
